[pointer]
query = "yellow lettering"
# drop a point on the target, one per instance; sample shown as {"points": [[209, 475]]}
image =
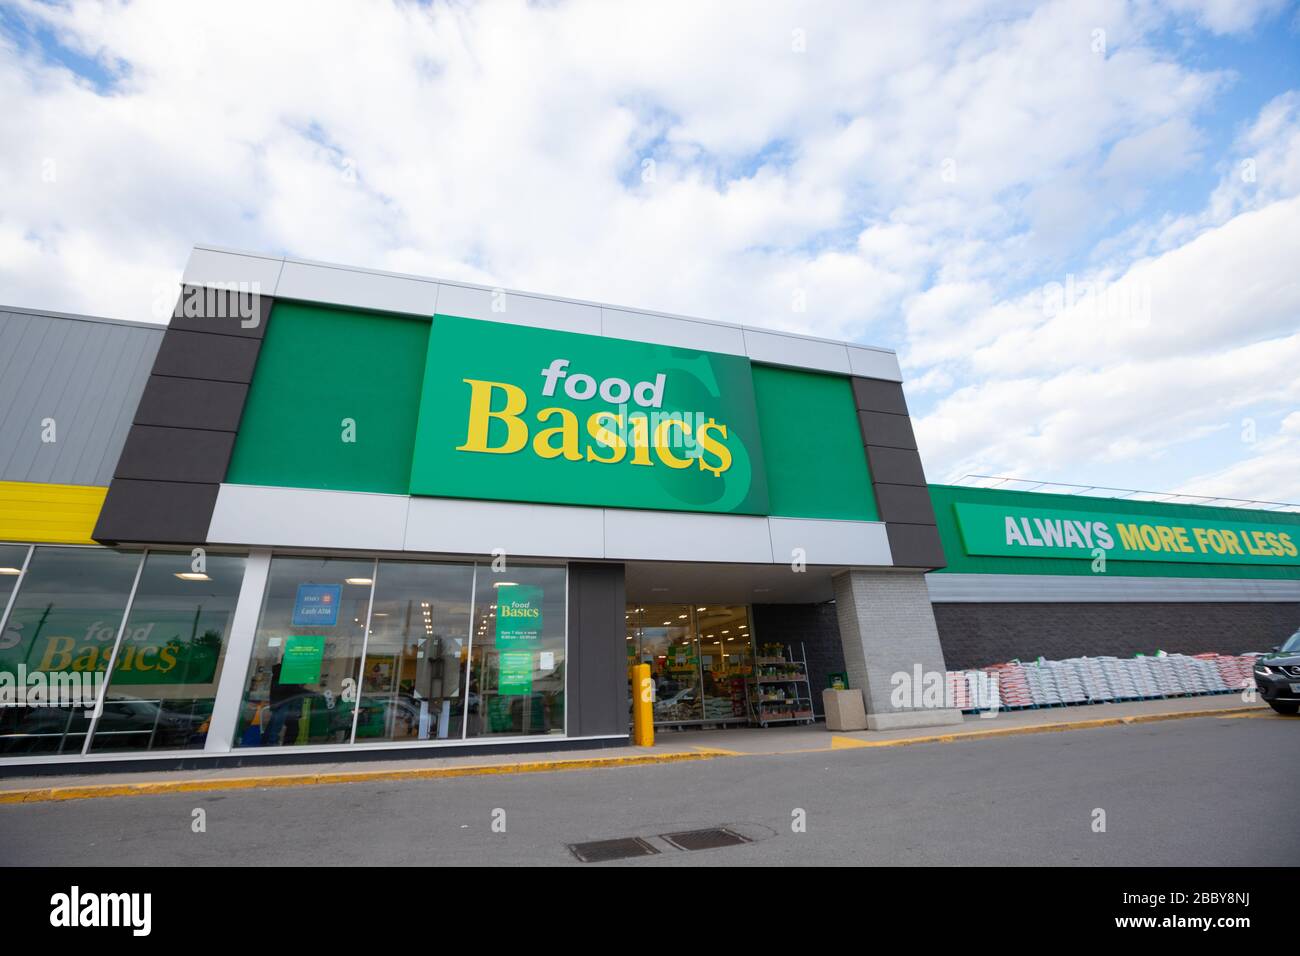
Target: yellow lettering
{"points": [[1129, 537], [640, 440], [663, 444], [1288, 546], [62, 646], [607, 437], [481, 415], [567, 430], [712, 446]]}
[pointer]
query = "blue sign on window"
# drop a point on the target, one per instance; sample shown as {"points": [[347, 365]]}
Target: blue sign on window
{"points": [[317, 605]]}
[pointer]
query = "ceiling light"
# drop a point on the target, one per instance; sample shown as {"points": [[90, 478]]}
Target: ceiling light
{"points": [[359, 582], [183, 575], [504, 584]]}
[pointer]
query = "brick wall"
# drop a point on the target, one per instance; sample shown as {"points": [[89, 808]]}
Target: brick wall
{"points": [[812, 624], [977, 634], [974, 635]]}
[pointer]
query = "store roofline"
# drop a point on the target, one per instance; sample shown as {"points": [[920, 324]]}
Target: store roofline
{"points": [[223, 250], [79, 317], [1006, 483]]}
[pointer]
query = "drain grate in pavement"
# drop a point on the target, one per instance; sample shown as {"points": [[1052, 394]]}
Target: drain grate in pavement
{"points": [[709, 839], [599, 851]]}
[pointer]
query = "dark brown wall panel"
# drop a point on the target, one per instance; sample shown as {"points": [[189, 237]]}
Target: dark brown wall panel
{"points": [[191, 403], [897, 475], [168, 512], [178, 449]]}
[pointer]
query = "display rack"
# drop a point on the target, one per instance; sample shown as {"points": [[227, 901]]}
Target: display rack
{"points": [[779, 689]]}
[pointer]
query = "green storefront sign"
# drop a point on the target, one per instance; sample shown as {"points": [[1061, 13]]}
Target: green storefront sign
{"points": [[1014, 531], [515, 673], [302, 658], [517, 413], [518, 616]]}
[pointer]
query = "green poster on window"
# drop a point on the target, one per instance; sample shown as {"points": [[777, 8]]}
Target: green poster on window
{"points": [[302, 658], [516, 673], [519, 617]]}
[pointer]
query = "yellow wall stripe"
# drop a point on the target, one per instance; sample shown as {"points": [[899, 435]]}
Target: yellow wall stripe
{"points": [[53, 514]]}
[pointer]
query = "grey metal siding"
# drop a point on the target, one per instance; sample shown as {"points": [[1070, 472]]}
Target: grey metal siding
{"points": [[87, 375], [597, 661]]}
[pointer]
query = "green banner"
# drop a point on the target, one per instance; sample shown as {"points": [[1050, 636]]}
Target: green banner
{"points": [[516, 673], [524, 414], [519, 616], [302, 658], [1011, 531]]}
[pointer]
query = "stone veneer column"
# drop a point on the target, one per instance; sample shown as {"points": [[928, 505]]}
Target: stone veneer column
{"points": [[887, 626]]}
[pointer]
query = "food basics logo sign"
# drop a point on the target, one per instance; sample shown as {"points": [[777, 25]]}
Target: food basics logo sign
{"points": [[525, 414], [1029, 532]]}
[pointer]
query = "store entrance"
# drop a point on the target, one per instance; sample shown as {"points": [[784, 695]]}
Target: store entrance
{"points": [[701, 657]]}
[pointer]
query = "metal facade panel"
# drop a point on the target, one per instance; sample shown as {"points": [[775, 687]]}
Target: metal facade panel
{"points": [[86, 375]]}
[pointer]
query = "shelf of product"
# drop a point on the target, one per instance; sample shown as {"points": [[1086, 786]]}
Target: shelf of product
{"points": [[779, 687]]}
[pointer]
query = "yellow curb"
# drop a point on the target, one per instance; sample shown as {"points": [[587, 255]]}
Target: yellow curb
{"points": [[92, 791], [1057, 726]]}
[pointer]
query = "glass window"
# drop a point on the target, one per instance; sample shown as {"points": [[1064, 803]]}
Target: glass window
{"points": [[726, 661], [307, 653], [413, 683], [63, 625], [165, 677], [700, 657], [12, 557], [517, 661], [670, 647]]}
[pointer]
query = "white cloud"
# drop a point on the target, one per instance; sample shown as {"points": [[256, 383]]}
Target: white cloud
{"points": [[909, 172]]}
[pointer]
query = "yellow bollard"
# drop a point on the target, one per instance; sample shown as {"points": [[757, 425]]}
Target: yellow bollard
{"points": [[643, 695]]}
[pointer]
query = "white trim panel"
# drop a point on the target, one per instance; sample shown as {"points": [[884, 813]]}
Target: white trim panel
{"points": [[519, 309], [1102, 588], [239, 653], [678, 333], [308, 518], [874, 363], [457, 526], [361, 290], [324, 282], [681, 536], [775, 348], [830, 542], [262, 516], [214, 267]]}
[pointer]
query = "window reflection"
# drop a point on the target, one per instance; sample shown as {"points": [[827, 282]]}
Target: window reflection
{"points": [[414, 674], [307, 653], [165, 677], [517, 663], [64, 621]]}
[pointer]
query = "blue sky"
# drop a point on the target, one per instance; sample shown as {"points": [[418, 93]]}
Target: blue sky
{"points": [[922, 176]]}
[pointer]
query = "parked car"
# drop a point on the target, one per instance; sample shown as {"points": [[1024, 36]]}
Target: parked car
{"points": [[1277, 675]]}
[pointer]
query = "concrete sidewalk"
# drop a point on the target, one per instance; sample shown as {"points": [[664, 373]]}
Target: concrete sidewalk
{"points": [[670, 747]]}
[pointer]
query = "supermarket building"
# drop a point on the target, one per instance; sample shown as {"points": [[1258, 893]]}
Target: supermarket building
{"points": [[332, 510]]}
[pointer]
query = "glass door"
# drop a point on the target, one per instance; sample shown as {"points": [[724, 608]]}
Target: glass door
{"points": [[699, 656], [726, 660]]}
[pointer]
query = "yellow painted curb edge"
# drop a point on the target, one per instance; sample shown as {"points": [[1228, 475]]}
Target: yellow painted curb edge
{"points": [[91, 791], [1058, 726]]}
